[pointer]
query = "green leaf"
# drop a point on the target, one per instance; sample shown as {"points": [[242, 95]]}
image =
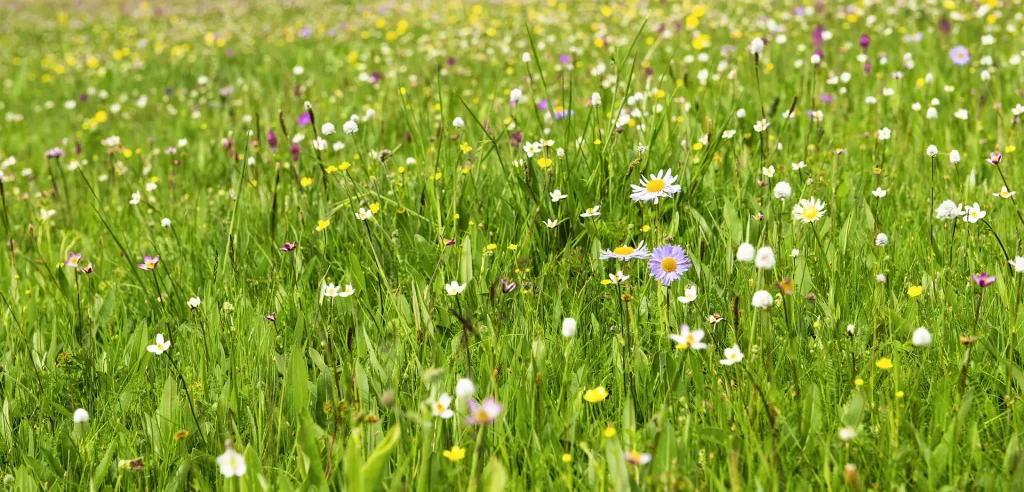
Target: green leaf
{"points": [[466, 261], [354, 460], [495, 477], [377, 461], [100, 474], [296, 399]]}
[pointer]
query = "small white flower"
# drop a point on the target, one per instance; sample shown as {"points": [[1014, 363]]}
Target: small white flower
{"points": [[881, 240], [557, 196], [364, 214], [515, 96], [592, 212], [879, 192], [765, 258], [974, 214], [160, 346], [595, 99], [136, 198], [193, 302], [756, 46], [568, 327], [960, 114], [783, 190], [231, 463], [732, 354], [954, 156], [761, 125], [741, 113], [458, 122], [454, 288], [932, 151], [165, 222], [794, 253], [80, 416], [762, 299], [884, 134], [464, 388], [847, 433], [745, 252], [948, 210], [1004, 193], [880, 278], [327, 129], [350, 127], [921, 337], [440, 407], [689, 294], [1018, 264]]}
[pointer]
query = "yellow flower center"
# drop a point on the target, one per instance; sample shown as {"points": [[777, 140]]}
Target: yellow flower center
{"points": [[810, 213], [682, 346], [481, 415], [655, 185], [440, 408], [623, 250], [669, 265]]}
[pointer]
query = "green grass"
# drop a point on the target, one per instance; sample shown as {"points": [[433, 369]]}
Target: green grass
{"points": [[337, 393]]}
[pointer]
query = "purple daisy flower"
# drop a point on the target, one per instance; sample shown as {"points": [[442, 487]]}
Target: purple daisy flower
{"points": [[507, 286], [149, 262], [668, 263], [960, 55], [55, 153], [983, 279], [305, 119], [287, 247], [73, 260], [484, 412]]}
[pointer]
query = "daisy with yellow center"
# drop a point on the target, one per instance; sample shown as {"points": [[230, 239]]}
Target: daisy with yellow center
{"points": [[625, 253], [655, 187], [1005, 193], [809, 210], [687, 339], [441, 406]]}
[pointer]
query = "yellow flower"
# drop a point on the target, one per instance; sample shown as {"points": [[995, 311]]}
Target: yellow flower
{"points": [[375, 207], [609, 431], [884, 363], [322, 224], [455, 453], [544, 162], [915, 290], [345, 165], [899, 394], [306, 182], [465, 147], [645, 228], [566, 458], [1010, 149], [492, 247], [700, 42], [596, 395]]}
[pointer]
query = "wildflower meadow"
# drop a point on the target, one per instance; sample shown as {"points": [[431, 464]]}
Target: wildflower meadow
{"points": [[511, 245]]}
